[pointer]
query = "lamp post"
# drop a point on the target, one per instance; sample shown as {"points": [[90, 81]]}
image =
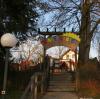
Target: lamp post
{"points": [[7, 40]]}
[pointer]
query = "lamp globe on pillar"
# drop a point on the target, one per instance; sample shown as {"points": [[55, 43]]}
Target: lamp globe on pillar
{"points": [[7, 40]]}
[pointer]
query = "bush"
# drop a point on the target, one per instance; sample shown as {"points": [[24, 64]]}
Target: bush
{"points": [[89, 88], [89, 83], [89, 70]]}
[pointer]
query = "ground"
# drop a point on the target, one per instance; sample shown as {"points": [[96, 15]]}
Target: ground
{"points": [[60, 95]]}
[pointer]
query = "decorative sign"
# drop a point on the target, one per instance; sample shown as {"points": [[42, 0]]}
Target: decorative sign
{"points": [[72, 35], [68, 39]]}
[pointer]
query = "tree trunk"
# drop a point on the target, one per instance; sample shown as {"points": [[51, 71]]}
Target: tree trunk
{"points": [[84, 47], [84, 50]]}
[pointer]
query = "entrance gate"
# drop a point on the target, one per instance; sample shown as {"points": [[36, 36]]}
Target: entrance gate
{"points": [[68, 39], [39, 81]]}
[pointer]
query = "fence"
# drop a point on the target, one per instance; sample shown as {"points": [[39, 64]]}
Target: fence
{"points": [[37, 86], [38, 83], [28, 84]]}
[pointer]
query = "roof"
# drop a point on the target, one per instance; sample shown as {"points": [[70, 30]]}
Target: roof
{"points": [[66, 53]]}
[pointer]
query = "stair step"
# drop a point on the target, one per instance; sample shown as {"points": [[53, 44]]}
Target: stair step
{"points": [[61, 77], [64, 76], [63, 84], [61, 81], [61, 89], [54, 87]]}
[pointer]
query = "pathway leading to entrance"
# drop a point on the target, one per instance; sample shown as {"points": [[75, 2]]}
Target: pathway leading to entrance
{"points": [[60, 95]]}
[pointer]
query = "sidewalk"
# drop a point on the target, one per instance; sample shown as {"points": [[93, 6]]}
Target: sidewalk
{"points": [[60, 95]]}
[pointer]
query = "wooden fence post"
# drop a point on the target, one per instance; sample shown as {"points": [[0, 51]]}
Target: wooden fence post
{"points": [[35, 86], [42, 84], [32, 87]]}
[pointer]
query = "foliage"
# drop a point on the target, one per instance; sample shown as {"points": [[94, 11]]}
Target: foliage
{"points": [[17, 16], [89, 88], [89, 81], [89, 70]]}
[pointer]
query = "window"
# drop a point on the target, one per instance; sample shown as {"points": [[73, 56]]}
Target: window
{"points": [[67, 56], [73, 55]]}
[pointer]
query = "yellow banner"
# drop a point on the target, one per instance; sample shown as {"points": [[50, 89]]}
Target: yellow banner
{"points": [[72, 35]]}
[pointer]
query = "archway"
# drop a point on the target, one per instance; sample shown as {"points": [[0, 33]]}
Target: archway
{"points": [[69, 39]]}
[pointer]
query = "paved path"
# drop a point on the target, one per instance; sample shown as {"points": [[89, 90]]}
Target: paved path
{"points": [[60, 95]]}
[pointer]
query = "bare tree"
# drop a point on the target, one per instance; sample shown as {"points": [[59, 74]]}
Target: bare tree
{"points": [[57, 51], [99, 52], [61, 50], [88, 27], [30, 50], [81, 15]]}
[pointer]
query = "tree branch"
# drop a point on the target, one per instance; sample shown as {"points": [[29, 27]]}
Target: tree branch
{"points": [[92, 31], [75, 4], [78, 20]]}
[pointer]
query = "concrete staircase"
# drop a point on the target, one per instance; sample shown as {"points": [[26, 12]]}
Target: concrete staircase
{"points": [[61, 82]]}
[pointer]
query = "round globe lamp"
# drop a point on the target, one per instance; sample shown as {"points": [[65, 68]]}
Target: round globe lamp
{"points": [[7, 41]]}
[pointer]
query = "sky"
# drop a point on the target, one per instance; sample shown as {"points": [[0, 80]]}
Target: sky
{"points": [[93, 52], [46, 18]]}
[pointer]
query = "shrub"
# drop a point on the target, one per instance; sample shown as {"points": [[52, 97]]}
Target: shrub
{"points": [[89, 70], [88, 73], [89, 88]]}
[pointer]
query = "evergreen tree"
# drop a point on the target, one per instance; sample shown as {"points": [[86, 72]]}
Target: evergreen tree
{"points": [[18, 16]]}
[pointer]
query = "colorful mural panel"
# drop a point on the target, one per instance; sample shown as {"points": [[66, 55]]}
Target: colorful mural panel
{"points": [[70, 40]]}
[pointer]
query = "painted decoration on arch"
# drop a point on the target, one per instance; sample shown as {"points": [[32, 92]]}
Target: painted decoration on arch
{"points": [[68, 39]]}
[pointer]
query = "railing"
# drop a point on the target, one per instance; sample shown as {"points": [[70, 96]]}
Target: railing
{"points": [[28, 84], [37, 85]]}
